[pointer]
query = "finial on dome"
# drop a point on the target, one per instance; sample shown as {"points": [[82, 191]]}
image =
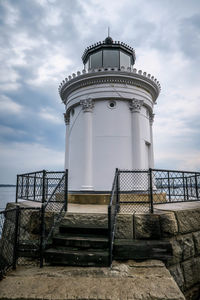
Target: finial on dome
{"points": [[108, 40]]}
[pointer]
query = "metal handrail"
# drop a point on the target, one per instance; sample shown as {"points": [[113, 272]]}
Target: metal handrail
{"points": [[113, 209], [43, 240]]}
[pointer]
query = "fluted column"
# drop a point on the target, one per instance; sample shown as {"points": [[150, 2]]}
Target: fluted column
{"points": [[67, 123], [151, 119], [87, 107], [135, 108]]}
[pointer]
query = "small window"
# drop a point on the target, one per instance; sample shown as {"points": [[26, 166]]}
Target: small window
{"points": [[112, 104]]}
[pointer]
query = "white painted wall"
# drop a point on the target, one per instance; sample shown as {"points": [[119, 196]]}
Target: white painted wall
{"points": [[112, 134], [111, 143]]}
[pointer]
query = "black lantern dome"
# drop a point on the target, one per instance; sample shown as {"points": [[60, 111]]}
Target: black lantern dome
{"points": [[109, 54]]}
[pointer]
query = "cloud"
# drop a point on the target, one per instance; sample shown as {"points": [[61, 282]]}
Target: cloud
{"points": [[8, 131], [8, 106], [179, 160], [51, 116], [11, 13], [50, 68], [41, 43], [19, 158]]}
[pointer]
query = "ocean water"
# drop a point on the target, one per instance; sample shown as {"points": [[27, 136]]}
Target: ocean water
{"points": [[7, 194]]}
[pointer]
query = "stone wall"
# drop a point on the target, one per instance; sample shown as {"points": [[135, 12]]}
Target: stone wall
{"points": [[151, 236]]}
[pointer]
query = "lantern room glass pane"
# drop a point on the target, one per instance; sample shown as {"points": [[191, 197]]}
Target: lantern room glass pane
{"points": [[110, 58], [87, 65], [125, 60], [96, 60]]}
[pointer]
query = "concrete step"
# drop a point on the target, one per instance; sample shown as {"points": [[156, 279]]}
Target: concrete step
{"points": [[72, 257], [141, 280], [142, 249], [84, 229], [80, 241]]}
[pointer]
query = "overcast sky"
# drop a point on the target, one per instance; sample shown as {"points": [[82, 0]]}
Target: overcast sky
{"points": [[42, 42]]}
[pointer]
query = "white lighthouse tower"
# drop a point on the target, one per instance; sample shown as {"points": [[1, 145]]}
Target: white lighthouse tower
{"points": [[109, 116]]}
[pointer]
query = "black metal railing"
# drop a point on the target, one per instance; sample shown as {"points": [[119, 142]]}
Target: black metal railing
{"points": [[141, 190], [8, 239], [113, 208], [52, 211], [19, 236], [37, 186], [135, 188], [175, 186], [27, 230]]}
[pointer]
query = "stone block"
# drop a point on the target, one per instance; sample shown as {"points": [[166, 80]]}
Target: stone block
{"points": [[188, 220], [177, 253], [124, 227], [168, 224], [196, 237], [187, 245], [84, 219], [147, 227], [177, 274], [193, 293], [191, 269]]}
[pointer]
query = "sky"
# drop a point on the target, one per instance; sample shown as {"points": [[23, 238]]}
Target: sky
{"points": [[42, 42]]}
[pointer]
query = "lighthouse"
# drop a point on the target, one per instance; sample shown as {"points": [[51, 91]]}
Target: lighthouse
{"points": [[108, 116]]}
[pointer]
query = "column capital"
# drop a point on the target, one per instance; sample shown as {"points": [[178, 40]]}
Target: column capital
{"points": [[66, 118], [87, 105], [151, 118], [135, 105]]}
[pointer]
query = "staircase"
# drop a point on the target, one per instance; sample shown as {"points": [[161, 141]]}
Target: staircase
{"points": [[80, 241]]}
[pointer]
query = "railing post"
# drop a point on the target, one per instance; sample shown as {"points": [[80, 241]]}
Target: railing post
{"points": [[196, 186], [187, 194], [151, 189], [43, 185], [183, 186], [110, 235], [117, 189], [42, 230], [22, 188], [42, 233], [15, 247], [46, 187], [169, 191], [27, 186], [17, 188], [66, 190], [34, 187]]}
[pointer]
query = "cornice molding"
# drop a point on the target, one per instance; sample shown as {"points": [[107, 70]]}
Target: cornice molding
{"points": [[119, 77]]}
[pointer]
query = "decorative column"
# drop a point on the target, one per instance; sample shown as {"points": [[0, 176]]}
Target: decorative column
{"points": [[67, 123], [135, 108], [87, 106], [151, 119]]}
